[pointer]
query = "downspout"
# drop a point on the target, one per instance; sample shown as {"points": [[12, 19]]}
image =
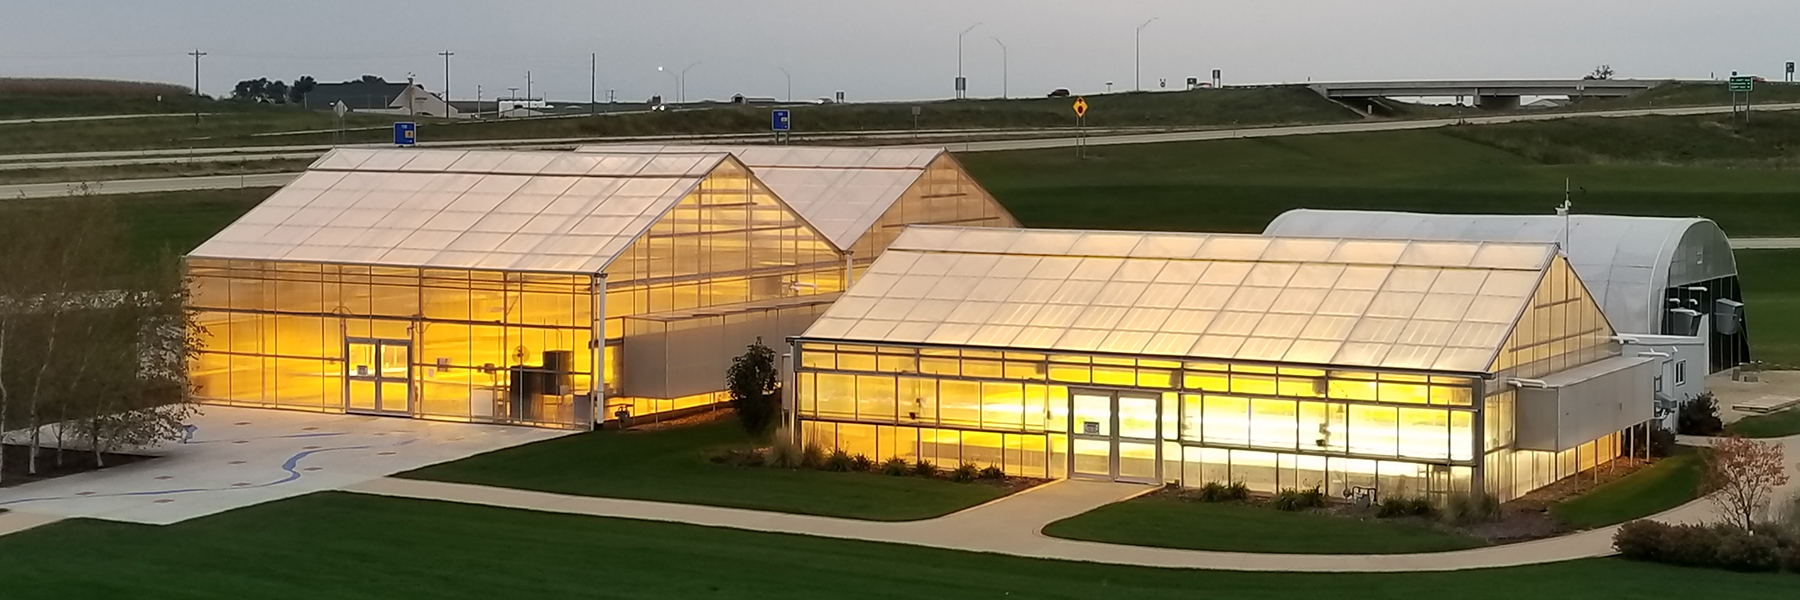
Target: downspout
{"points": [[597, 339]]}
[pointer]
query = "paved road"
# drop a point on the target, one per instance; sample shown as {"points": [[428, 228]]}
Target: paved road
{"points": [[1768, 243], [93, 118], [1357, 127], [144, 186]]}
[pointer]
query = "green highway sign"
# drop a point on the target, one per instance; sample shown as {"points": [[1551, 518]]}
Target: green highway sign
{"points": [[1743, 84]]}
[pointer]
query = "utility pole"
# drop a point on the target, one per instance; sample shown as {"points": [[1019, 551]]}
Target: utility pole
{"points": [[197, 54], [528, 86], [962, 85], [1139, 51], [593, 82], [477, 100], [1003, 68], [681, 83], [447, 108], [790, 83]]}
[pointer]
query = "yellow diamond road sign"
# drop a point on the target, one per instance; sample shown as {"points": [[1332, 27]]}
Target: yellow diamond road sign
{"points": [[1081, 107]]}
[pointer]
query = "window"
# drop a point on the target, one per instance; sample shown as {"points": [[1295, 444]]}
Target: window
{"points": [[1681, 372]]}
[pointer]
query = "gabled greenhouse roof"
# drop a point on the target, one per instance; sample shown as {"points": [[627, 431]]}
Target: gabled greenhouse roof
{"points": [[474, 209], [1438, 306], [841, 192]]}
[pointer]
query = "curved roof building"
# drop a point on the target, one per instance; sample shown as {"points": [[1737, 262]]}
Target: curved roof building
{"points": [[1650, 274]]}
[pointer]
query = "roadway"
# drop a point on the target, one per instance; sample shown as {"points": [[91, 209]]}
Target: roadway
{"points": [[174, 184]]}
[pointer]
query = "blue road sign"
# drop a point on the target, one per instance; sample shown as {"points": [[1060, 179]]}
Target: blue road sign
{"points": [[779, 121], [406, 134]]}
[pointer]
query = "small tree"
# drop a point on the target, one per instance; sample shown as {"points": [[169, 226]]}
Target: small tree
{"points": [[1601, 72], [1699, 416], [755, 389], [1742, 476]]}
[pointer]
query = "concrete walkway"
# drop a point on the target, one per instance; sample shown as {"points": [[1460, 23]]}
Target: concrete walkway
{"points": [[1012, 526], [13, 521]]}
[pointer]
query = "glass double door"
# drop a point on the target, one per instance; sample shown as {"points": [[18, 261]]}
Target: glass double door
{"points": [[1114, 436], [378, 376]]}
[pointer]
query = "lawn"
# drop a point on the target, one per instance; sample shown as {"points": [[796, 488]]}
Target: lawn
{"points": [[1772, 304], [1773, 425], [1666, 484], [346, 546], [1173, 523], [1240, 185], [672, 465], [176, 222]]}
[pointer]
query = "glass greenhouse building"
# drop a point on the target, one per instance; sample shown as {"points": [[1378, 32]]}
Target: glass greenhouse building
{"points": [[518, 287], [1365, 367]]}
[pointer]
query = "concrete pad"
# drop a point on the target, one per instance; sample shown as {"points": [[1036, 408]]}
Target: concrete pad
{"points": [[1770, 390], [15, 521], [243, 456]]}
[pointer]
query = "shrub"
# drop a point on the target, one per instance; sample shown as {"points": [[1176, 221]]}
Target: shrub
{"points": [[1213, 491], [785, 454], [861, 463], [1699, 416], [812, 456], [1461, 508], [1792, 559], [965, 473], [751, 458], [1741, 550], [993, 472], [1236, 491], [1394, 506], [895, 466], [1421, 506], [924, 468], [1662, 442], [1291, 499], [1642, 540], [839, 461]]}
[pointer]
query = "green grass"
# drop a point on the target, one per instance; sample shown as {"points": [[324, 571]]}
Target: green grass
{"points": [[1772, 300], [345, 546], [1773, 425], [152, 171], [175, 222], [1666, 484], [672, 466], [1173, 523], [1240, 185]]}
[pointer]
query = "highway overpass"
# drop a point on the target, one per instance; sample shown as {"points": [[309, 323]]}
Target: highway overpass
{"points": [[1488, 93]]}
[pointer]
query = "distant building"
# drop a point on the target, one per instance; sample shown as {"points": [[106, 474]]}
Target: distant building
{"points": [[381, 97]]}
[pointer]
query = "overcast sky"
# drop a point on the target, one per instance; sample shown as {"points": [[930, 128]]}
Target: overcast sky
{"points": [[887, 50]]}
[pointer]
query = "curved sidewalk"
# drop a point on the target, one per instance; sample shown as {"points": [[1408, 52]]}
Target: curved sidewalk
{"points": [[1012, 526]]}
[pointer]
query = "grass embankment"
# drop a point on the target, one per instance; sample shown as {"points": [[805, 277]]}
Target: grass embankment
{"points": [[1665, 484], [1772, 303], [1248, 106], [1773, 425], [673, 465], [337, 545], [151, 171], [1174, 523], [172, 221], [1240, 185]]}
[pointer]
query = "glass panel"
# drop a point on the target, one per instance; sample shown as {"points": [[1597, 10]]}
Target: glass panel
{"points": [[1137, 416], [396, 396], [1093, 457], [1137, 461], [1093, 414], [362, 361], [362, 395]]}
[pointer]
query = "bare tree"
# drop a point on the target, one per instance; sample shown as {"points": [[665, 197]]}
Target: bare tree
{"points": [[1742, 476]]}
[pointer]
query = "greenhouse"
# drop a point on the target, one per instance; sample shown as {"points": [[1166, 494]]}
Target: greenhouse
{"points": [[501, 286], [861, 198], [1368, 368]]}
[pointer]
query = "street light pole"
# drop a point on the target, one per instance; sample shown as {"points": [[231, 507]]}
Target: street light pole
{"points": [[1003, 68], [681, 90], [961, 84], [447, 54], [790, 83], [672, 77], [1139, 51]]}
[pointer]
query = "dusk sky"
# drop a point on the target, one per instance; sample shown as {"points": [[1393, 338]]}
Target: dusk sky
{"points": [[888, 50]]}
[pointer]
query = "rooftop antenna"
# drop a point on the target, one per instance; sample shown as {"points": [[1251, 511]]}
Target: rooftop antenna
{"points": [[1563, 211]]}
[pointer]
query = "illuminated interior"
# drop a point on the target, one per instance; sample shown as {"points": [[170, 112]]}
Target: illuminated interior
{"points": [[486, 285], [1356, 366]]}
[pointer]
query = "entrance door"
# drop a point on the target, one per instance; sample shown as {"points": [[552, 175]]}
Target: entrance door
{"points": [[378, 376], [1115, 436]]}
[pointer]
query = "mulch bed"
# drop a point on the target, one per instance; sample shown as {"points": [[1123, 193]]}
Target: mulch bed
{"points": [[73, 461]]}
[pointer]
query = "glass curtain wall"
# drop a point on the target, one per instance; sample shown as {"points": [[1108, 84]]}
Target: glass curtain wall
{"points": [[729, 242], [943, 195], [1562, 329], [1349, 432], [473, 345]]}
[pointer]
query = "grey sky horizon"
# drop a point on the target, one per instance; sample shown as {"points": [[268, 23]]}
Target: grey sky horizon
{"points": [[887, 50]]}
